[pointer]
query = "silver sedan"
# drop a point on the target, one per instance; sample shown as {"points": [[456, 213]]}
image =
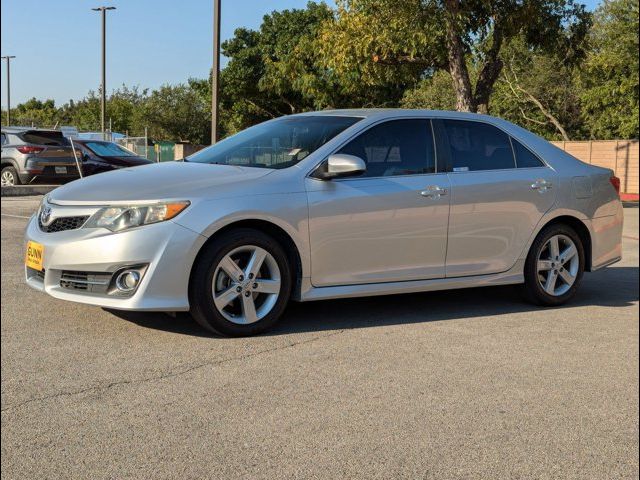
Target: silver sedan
{"points": [[329, 204]]}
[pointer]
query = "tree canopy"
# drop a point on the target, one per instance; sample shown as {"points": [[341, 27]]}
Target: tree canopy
{"points": [[399, 41]]}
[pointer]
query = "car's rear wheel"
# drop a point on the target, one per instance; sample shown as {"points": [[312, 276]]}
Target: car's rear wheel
{"points": [[554, 266], [9, 176], [240, 284]]}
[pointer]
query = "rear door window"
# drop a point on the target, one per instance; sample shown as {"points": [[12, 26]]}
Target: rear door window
{"points": [[55, 139], [524, 157], [475, 146], [396, 147]]}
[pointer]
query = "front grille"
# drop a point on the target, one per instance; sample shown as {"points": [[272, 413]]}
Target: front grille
{"points": [[96, 282], [63, 223]]}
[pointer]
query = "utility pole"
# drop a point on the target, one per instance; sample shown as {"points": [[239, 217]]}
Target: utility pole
{"points": [[103, 84], [215, 71], [8, 59]]}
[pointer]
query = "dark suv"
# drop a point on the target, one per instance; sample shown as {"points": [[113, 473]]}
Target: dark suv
{"points": [[31, 153]]}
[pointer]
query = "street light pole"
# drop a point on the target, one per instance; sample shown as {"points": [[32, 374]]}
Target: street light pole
{"points": [[103, 84], [215, 72], [8, 59]]}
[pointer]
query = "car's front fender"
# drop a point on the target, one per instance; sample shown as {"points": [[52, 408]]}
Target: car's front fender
{"points": [[288, 211]]}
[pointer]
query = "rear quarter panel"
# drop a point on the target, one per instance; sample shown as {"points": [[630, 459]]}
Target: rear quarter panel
{"points": [[584, 192]]}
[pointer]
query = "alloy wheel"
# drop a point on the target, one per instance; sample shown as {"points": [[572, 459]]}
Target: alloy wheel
{"points": [[8, 179], [558, 265], [246, 284]]}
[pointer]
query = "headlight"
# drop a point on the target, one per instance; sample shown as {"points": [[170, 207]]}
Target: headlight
{"points": [[121, 218]]}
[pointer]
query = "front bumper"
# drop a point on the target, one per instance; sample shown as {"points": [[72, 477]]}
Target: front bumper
{"points": [[167, 248]]}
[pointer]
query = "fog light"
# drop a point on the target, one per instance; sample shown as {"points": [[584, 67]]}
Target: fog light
{"points": [[127, 280]]}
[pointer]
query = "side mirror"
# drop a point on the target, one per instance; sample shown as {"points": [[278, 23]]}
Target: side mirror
{"points": [[341, 165]]}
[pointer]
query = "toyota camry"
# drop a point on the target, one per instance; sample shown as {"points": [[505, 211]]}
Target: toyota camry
{"points": [[329, 204]]}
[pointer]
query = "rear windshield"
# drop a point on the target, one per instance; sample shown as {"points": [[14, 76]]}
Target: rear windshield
{"points": [[45, 138], [280, 143], [105, 149]]}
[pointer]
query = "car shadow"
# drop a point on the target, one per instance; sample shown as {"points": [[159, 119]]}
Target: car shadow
{"points": [[180, 323], [612, 287]]}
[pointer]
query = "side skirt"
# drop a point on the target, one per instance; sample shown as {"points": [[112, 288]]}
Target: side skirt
{"points": [[309, 293]]}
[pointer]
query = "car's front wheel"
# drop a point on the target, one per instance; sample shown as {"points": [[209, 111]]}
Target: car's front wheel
{"points": [[554, 266], [240, 284]]}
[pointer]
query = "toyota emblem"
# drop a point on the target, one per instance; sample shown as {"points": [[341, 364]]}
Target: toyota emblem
{"points": [[45, 215]]}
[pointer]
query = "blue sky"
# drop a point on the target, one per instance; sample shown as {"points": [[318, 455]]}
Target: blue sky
{"points": [[149, 42]]}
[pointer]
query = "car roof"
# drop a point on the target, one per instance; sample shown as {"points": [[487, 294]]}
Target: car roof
{"points": [[382, 113], [394, 112]]}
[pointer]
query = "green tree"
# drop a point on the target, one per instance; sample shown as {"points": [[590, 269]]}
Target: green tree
{"points": [[84, 113], [242, 102], [279, 69], [176, 112], [538, 91], [610, 75], [124, 110], [434, 92], [386, 40], [273, 71], [34, 112]]}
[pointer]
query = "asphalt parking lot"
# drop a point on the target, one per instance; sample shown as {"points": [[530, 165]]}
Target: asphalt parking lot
{"points": [[461, 384]]}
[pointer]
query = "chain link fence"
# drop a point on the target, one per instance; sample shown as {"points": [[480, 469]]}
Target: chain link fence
{"points": [[162, 151]]}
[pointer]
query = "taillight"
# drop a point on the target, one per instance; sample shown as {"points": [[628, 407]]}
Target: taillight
{"points": [[29, 149], [615, 181]]}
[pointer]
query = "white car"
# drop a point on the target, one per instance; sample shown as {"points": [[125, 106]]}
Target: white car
{"points": [[329, 204]]}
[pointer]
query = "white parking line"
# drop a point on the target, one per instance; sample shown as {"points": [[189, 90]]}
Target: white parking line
{"points": [[14, 216]]}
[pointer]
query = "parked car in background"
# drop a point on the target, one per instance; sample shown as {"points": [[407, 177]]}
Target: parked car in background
{"points": [[330, 204], [101, 156], [30, 154]]}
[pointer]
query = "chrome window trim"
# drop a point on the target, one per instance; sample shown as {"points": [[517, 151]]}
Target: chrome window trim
{"points": [[503, 170], [388, 177]]}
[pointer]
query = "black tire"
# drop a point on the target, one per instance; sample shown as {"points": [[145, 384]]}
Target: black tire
{"points": [[532, 289], [11, 171], [201, 301]]}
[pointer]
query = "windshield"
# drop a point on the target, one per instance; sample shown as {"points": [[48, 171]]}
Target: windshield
{"points": [[108, 149], [277, 144]]}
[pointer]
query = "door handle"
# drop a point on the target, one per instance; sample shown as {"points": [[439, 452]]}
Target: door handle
{"points": [[541, 185], [433, 191]]}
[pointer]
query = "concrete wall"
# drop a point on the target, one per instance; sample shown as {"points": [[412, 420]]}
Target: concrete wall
{"points": [[621, 156], [181, 150]]}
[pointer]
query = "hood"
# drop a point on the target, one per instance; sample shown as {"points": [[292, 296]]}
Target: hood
{"points": [[156, 182]]}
